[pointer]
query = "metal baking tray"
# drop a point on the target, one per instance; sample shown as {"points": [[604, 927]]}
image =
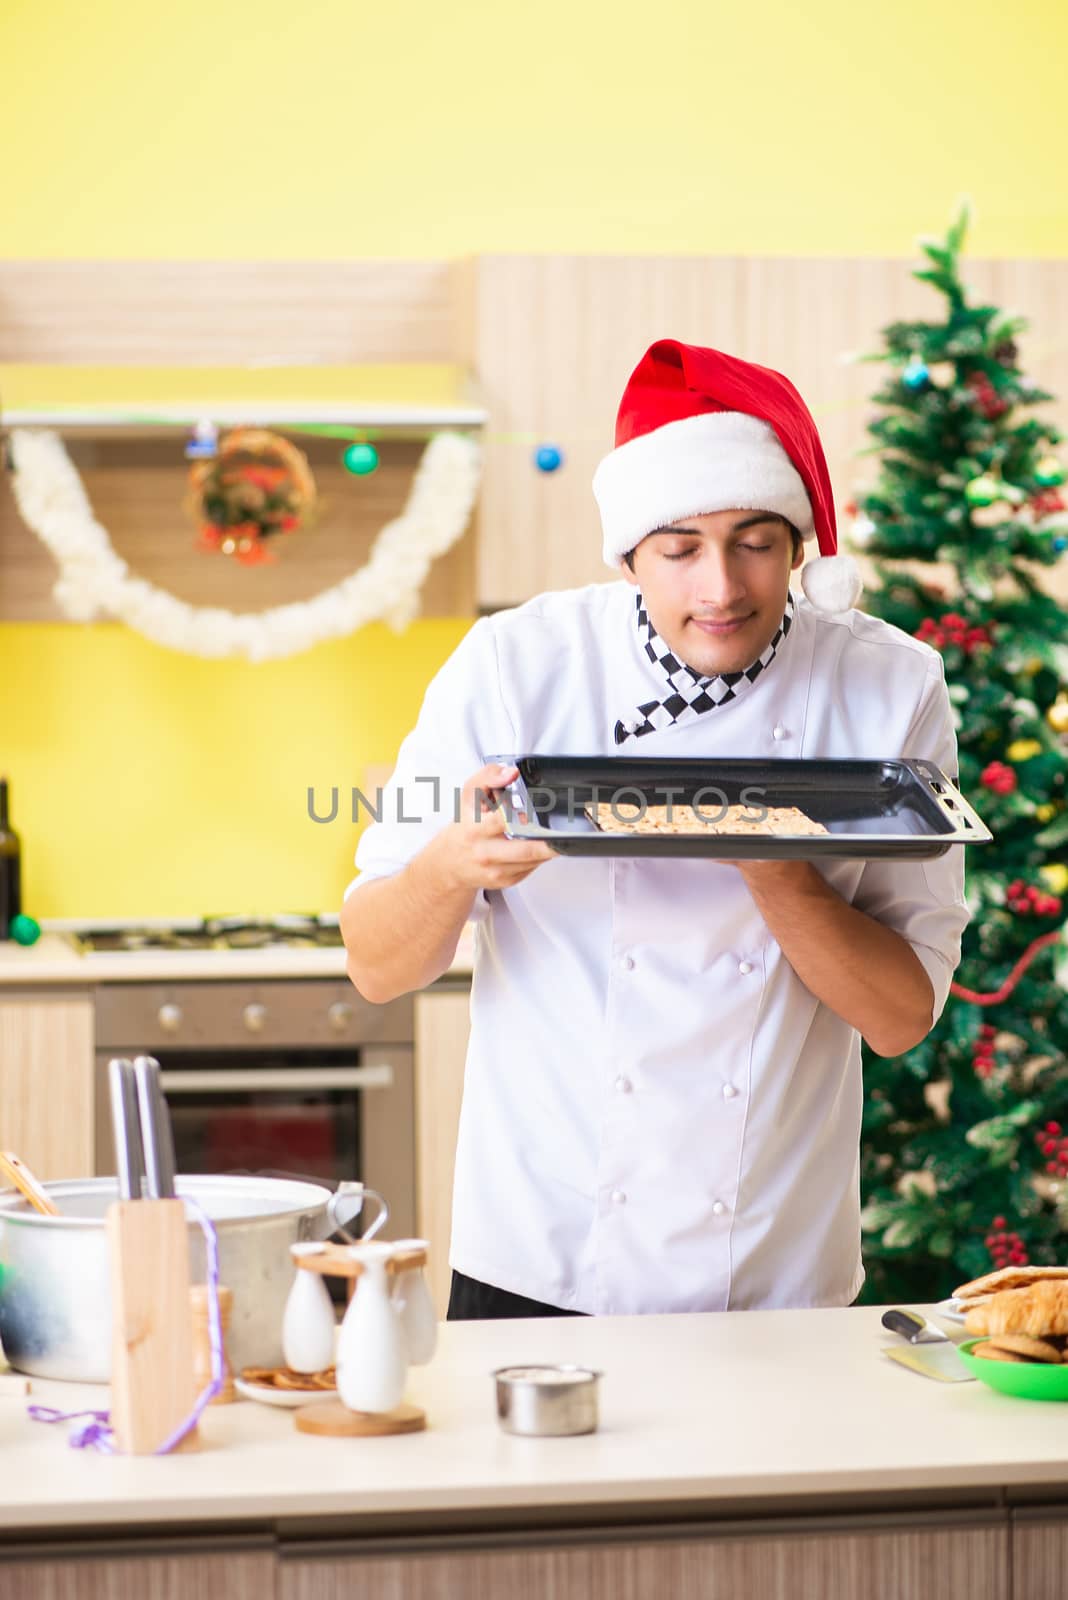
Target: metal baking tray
{"points": [[903, 810]]}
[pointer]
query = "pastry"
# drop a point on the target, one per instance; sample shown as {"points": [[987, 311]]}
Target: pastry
{"points": [[1005, 1278], [1025, 1347], [1038, 1309], [625, 817]]}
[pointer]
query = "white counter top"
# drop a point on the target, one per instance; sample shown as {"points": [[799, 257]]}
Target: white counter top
{"points": [[55, 959], [695, 1409]]}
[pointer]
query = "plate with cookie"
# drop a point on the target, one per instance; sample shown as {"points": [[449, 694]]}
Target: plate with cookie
{"points": [[1018, 1319], [281, 1386], [736, 809]]}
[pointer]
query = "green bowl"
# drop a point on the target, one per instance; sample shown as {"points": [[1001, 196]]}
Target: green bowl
{"points": [[1027, 1380]]}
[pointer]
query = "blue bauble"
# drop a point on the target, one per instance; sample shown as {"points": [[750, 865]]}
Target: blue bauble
{"points": [[1060, 543], [548, 458], [360, 459], [916, 375]]}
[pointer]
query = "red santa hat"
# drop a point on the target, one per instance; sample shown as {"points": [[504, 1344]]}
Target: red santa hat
{"points": [[700, 431]]}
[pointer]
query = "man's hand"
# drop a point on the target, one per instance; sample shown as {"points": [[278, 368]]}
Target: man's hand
{"points": [[473, 853]]}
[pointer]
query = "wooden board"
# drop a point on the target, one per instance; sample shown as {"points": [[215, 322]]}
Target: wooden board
{"points": [[332, 1419]]}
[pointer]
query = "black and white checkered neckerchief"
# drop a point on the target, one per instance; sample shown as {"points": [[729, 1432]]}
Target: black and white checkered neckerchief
{"points": [[691, 695]]}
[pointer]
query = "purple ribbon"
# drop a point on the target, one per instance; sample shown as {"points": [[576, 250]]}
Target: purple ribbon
{"points": [[97, 1434]]}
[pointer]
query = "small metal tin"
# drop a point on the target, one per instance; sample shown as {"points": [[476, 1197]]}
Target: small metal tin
{"points": [[543, 1401]]}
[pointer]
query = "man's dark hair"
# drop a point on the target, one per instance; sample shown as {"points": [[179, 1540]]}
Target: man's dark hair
{"points": [[795, 538]]}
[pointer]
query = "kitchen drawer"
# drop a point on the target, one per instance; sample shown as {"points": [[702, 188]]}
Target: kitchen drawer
{"points": [[265, 1014]]}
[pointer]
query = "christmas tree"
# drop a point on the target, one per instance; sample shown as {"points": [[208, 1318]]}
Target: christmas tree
{"points": [[965, 1142]]}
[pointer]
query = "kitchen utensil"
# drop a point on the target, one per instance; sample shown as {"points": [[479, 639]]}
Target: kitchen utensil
{"points": [[547, 1400], [1025, 1380], [415, 1307], [18, 1173], [931, 1352], [126, 1124], [55, 1296], [308, 1324], [371, 1358], [897, 809], [152, 1383]]}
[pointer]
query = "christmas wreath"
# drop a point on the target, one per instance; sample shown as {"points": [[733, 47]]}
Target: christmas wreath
{"points": [[257, 485]]}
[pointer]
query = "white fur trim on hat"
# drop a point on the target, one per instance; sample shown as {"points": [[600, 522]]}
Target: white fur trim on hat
{"points": [[717, 461], [832, 583]]}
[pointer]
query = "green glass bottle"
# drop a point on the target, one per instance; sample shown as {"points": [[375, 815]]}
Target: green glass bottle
{"points": [[10, 868]]}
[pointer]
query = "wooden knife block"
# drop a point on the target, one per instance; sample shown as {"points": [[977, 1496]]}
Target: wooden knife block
{"points": [[152, 1383]]}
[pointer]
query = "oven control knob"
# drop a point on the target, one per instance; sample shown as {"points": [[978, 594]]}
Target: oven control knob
{"points": [[340, 1015], [255, 1016], [169, 1018]]}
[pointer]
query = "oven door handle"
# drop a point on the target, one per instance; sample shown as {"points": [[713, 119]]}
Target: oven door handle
{"points": [[250, 1079]]}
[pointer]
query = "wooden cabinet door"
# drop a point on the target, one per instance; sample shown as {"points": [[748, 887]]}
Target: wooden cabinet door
{"points": [[46, 1079], [895, 1564], [442, 1024], [112, 1574]]}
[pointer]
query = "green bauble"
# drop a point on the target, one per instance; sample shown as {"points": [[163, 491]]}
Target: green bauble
{"points": [[24, 930], [982, 491], [360, 459], [1049, 472]]}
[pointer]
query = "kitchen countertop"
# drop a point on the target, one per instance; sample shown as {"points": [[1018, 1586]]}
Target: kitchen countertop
{"points": [[55, 959], [700, 1411]]}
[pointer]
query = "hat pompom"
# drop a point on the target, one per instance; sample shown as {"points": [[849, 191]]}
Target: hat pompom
{"points": [[832, 583]]}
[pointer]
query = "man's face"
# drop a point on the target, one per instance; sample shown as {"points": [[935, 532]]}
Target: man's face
{"points": [[715, 586]]}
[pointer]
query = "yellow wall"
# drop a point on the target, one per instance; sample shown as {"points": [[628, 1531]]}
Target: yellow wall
{"points": [[146, 783], [244, 128]]}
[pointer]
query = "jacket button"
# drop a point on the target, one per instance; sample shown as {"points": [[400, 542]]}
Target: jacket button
{"points": [[718, 1208], [628, 963], [729, 1091], [618, 1197], [778, 732], [624, 1085], [745, 967]]}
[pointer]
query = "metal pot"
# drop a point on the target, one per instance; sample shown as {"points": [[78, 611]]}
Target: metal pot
{"points": [[55, 1290]]}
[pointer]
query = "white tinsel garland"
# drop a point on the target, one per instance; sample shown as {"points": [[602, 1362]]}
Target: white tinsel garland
{"points": [[94, 580]]}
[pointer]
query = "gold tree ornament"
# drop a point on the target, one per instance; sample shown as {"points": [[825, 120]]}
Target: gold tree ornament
{"points": [[258, 485], [1057, 715]]}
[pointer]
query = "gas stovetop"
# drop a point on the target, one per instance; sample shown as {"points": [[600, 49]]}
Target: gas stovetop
{"points": [[213, 933]]}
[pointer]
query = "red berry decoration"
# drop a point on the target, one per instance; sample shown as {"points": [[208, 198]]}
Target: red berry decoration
{"points": [[1006, 1247], [1054, 1146], [998, 778]]}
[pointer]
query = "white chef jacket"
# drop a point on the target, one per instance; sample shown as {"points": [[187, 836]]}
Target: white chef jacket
{"points": [[657, 1114]]}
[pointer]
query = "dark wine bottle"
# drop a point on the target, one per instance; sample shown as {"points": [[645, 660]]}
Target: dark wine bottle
{"points": [[10, 868]]}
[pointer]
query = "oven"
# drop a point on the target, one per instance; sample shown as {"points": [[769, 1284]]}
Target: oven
{"points": [[298, 1077]]}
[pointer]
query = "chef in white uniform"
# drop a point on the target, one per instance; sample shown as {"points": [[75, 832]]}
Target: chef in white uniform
{"points": [[662, 1098]]}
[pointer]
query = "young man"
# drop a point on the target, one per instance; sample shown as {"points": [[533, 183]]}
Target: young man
{"points": [[663, 1088]]}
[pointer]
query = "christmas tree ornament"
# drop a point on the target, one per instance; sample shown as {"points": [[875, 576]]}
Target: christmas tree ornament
{"points": [[916, 376], [548, 458], [204, 443], [23, 929], [1023, 749], [1057, 715], [360, 459], [943, 374], [1045, 813], [1049, 472], [1055, 877], [861, 532], [982, 491]]}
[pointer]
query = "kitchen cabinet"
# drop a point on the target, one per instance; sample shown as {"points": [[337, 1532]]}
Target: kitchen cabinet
{"points": [[442, 1025], [46, 1078], [235, 1570], [869, 1564]]}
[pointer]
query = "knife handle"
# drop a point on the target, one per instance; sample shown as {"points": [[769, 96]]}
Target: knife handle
{"points": [[156, 1134], [126, 1128], [906, 1323]]}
